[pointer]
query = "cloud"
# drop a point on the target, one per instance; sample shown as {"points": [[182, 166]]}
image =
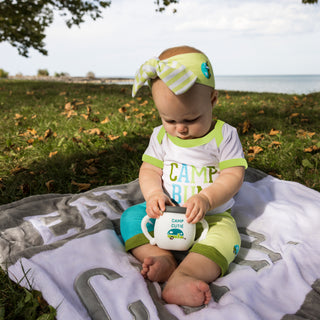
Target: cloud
{"points": [[275, 18]]}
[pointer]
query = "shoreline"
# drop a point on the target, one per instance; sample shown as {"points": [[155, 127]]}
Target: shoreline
{"points": [[69, 79]]}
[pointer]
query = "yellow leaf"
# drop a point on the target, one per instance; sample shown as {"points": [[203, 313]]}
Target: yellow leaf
{"points": [[273, 132], [311, 149], [293, 115], [96, 131], [122, 110], [84, 115], [255, 150], [258, 136], [18, 116], [139, 115], [51, 154], [125, 133], [304, 134], [48, 133], [106, 120], [139, 98], [32, 131], [274, 143], [127, 105], [245, 126], [111, 137], [261, 112], [145, 102]]}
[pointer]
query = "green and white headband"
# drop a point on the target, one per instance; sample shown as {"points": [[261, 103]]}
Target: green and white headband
{"points": [[179, 72]]}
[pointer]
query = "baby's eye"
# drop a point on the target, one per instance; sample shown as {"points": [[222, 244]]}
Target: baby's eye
{"points": [[170, 121], [191, 120]]}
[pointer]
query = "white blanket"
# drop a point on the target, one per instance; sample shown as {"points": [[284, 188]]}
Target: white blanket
{"points": [[69, 248]]}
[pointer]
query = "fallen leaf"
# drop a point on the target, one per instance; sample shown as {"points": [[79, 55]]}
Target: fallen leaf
{"points": [[18, 116], [254, 150], [293, 115], [139, 115], [84, 115], [304, 134], [125, 133], [17, 169], [145, 102], [274, 143], [258, 136], [311, 149], [112, 137], [96, 131], [32, 131], [49, 185], [106, 120], [81, 186], [273, 132], [122, 110], [53, 153], [125, 146], [91, 170], [246, 126], [261, 112], [127, 105], [48, 133]]}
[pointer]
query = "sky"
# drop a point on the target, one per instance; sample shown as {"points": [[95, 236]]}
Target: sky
{"points": [[240, 37]]}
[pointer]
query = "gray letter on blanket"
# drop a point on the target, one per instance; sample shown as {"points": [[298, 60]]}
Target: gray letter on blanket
{"points": [[94, 305]]}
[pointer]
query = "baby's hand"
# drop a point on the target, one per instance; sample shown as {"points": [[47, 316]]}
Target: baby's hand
{"points": [[197, 207], [156, 204]]}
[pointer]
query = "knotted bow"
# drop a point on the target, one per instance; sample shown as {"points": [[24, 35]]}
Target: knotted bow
{"points": [[175, 75]]}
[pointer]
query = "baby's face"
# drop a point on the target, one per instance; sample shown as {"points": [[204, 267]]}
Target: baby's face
{"points": [[186, 116]]}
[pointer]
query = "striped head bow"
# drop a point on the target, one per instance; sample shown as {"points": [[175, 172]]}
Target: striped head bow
{"points": [[179, 72]]}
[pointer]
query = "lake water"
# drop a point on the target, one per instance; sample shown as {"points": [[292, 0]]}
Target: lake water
{"points": [[299, 84], [295, 84]]}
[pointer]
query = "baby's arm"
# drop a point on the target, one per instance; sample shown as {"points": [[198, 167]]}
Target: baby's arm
{"points": [[150, 178], [220, 191]]}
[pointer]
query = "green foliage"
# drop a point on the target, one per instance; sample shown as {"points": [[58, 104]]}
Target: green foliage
{"points": [[19, 303], [23, 23], [3, 74], [61, 74], [43, 73]]}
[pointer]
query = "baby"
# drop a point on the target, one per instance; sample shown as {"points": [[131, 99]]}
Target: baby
{"points": [[192, 161]]}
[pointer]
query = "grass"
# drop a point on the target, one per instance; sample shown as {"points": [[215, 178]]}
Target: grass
{"points": [[68, 138]]}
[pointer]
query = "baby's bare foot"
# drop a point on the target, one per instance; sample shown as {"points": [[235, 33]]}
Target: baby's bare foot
{"points": [[158, 268], [187, 291]]}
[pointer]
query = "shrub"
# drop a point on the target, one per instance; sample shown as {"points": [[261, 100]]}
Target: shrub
{"points": [[61, 74], [90, 75], [43, 73], [3, 74]]}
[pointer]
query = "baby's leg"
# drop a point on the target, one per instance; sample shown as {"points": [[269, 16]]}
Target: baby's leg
{"points": [[188, 284], [157, 264]]}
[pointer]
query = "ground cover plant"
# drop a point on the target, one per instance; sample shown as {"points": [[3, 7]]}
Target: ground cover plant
{"points": [[67, 138]]}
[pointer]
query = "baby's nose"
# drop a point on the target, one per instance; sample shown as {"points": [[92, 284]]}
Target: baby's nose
{"points": [[181, 128]]}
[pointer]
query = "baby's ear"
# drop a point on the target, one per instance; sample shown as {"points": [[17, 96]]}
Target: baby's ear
{"points": [[214, 97]]}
